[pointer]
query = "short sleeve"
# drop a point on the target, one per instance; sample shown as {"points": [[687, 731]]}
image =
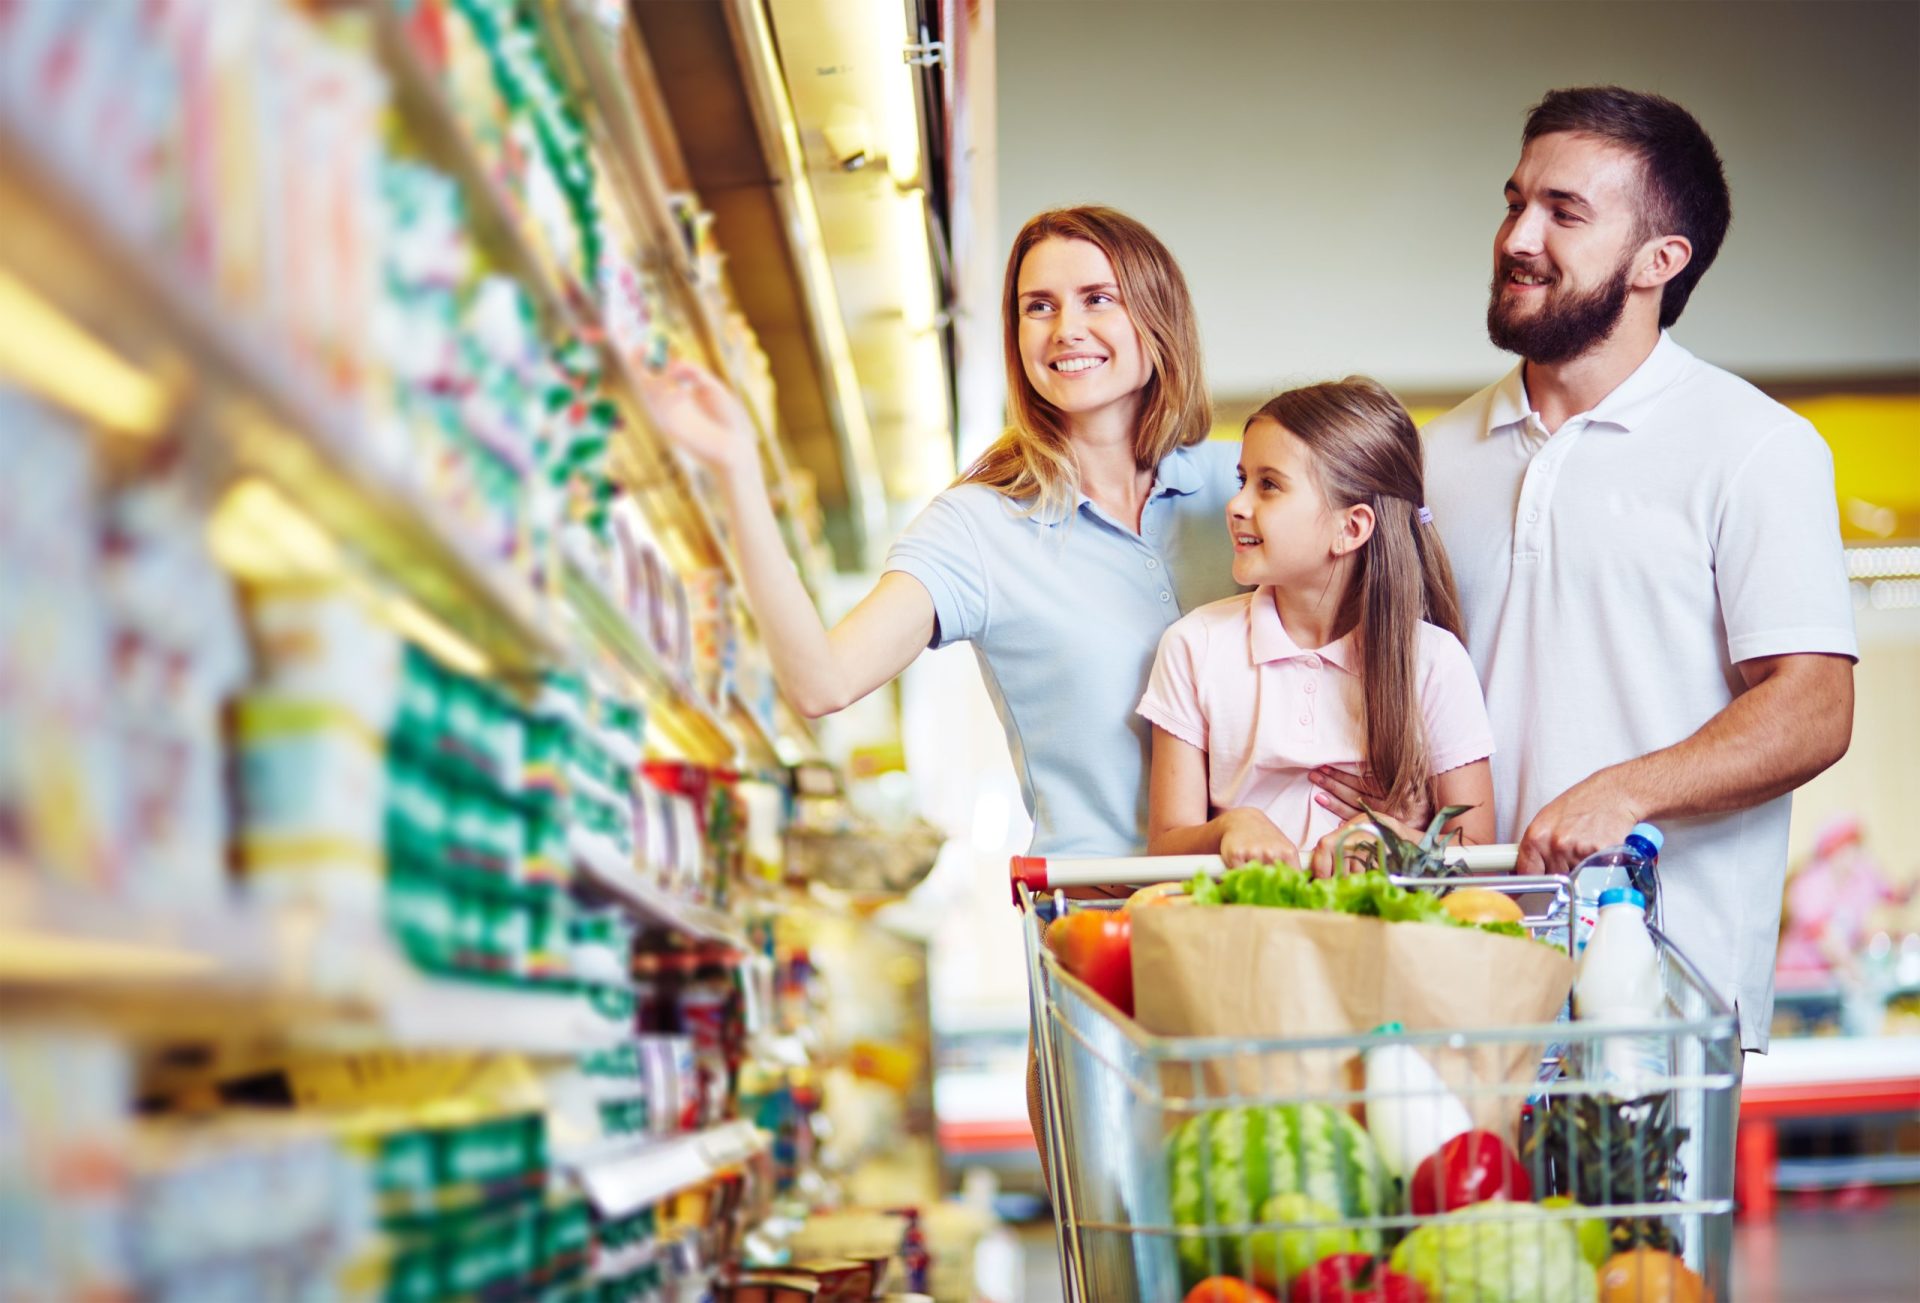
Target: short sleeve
{"points": [[1173, 688], [1778, 565], [1451, 703], [942, 551]]}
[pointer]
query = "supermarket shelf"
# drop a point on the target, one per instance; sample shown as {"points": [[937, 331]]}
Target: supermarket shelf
{"points": [[622, 1181], [667, 489], [606, 64], [763, 748], [233, 970], [616, 875], [262, 418], [661, 482], [677, 711]]}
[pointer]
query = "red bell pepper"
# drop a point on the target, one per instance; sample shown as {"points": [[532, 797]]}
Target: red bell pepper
{"points": [[1355, 1278], [1470, 1168]]}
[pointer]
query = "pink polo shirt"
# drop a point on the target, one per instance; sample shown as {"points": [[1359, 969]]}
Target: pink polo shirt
{"points": [[1229, 680]]}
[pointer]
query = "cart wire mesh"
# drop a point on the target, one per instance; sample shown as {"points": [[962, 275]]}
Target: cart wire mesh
{"points": [[1177, 1159]]}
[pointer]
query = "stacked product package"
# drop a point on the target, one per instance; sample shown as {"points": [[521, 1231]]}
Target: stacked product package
{"points": [[119, 643], [230, 140]]}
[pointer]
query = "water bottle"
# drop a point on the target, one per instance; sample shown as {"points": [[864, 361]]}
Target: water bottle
{"points": [[1634, 863], [1618, 981]]}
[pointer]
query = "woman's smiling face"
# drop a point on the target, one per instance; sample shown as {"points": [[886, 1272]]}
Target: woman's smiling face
{"points": [[1078, 346]]}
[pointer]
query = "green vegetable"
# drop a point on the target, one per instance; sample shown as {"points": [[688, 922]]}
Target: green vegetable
{"points": [[1229, 1165], [1366, 895], [1203, 890], [1498, 1252], [1280, 1256]]}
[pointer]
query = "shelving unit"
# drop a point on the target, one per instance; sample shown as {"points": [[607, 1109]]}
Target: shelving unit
{"points": [[264, 421], [228, 970], [624, 1179], [617, 877], [461, 945], [670, 493]]}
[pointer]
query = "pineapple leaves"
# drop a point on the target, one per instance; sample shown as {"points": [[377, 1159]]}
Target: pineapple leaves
{"points": [[1380, 847]]}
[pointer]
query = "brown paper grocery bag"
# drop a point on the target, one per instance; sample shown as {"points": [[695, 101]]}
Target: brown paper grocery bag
{"points": [[1246, 971]]}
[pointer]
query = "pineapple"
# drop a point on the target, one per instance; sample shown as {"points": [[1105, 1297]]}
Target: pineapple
{"points": [[1604, 1152], [1380, 847]]}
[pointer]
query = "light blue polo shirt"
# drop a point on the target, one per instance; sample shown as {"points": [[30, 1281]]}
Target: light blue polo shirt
{"points": [[1064, 614]]}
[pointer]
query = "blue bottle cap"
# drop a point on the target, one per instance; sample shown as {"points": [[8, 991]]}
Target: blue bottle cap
{"points": [[1622, 896], [1651, 834]]}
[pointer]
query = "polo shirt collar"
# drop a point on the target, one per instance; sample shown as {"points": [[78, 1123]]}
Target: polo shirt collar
{"points": [[1177, 476], [1269, 640], [1624, 408]]}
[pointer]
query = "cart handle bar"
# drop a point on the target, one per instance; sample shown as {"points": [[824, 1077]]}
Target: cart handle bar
{"points": [[1038, 873]]}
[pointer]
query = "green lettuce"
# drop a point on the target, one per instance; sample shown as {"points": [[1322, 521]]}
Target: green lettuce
{"points": [[1366, 895]]}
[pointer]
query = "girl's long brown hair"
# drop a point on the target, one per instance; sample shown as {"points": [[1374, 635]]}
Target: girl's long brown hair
{"points": [[1033, 461], [1365, 449]]}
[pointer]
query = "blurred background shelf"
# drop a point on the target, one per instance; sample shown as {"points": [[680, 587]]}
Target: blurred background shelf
{"points": [[616, 875], [231, 971], [69, 268], [627, 1178]]}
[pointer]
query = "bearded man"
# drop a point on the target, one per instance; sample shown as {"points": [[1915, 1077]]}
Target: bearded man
{"points": [[1647, 547]]}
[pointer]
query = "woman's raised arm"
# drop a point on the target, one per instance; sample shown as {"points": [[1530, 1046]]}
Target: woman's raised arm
{"points": [[821, 671]]}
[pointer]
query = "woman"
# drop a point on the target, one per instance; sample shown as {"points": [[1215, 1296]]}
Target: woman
{"points": [[1062, 554]]}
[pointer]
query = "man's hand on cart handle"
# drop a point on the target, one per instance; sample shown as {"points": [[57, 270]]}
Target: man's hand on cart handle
{"points": [[1345, 794], [1592, 814]]}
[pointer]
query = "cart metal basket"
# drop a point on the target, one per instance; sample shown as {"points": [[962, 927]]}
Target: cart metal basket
{"points": [[1653, 1170]]}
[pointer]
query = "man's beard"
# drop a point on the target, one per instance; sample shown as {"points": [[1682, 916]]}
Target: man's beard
{"points": [[1565, 326]]}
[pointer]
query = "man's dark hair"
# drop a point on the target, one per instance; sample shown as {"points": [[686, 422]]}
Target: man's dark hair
{"points": [[1683, 185]]}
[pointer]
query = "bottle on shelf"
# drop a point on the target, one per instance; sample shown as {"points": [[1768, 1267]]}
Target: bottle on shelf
{"points": [[1633, 863]]}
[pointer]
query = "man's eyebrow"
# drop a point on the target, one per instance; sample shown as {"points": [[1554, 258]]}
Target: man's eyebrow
{"points": [[1561, 196]]}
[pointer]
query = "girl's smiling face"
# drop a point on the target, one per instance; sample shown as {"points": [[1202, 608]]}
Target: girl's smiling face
{"points": [[1079, 347], [1284, 532]]}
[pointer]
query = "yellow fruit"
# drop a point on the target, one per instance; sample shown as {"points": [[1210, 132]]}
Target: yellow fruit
{"points": [[1481, 905], [1160, 893], [1646, 1275]]}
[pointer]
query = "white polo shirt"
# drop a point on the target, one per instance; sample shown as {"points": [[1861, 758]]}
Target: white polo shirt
{"points": [[1612, 576]]}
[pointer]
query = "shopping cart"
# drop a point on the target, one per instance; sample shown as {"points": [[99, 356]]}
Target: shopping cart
{"points": [[1654, 1171]]}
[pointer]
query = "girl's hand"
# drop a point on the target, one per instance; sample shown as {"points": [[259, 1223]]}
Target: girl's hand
{"points": [[700, 416], [1249, 837], [1345, 793], [1349, 837]]}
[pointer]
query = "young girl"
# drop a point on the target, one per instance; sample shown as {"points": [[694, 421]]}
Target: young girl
{"points": [[1347, 654]]}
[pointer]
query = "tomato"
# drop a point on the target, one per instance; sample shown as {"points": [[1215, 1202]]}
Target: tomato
{"points": [[1646, 1275], [1227, 1289], [1470, 1168], [1355, 1278], [1096, 946]]}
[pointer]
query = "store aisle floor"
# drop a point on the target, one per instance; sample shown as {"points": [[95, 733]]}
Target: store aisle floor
{"points": [[1805, 1256]]}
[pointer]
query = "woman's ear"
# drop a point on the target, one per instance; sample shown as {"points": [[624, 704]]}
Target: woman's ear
{"points": [[1356, 527]]}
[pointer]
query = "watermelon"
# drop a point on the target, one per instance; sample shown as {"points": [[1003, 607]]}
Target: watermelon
{"points": [[1228, 1164]]}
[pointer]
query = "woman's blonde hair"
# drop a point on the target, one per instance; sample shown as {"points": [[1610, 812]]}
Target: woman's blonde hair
{"points": [[1033, 461], [1365, 448]]}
